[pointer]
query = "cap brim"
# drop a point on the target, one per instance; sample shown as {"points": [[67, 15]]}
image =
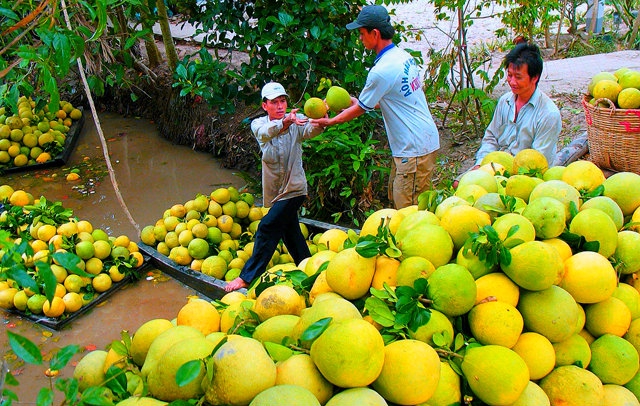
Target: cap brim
{"points": [[353, 25]]}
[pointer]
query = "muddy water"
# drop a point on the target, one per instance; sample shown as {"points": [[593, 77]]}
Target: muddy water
{"points": [[152, 175]]}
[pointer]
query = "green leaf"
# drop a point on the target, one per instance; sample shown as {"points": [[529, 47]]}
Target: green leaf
{"points": [[62, 357], [25, 349], [188, 371], [116, 380], [420, 317], [97, 396], [45, 397], [379, 311], [278, 352], [313, 331]]}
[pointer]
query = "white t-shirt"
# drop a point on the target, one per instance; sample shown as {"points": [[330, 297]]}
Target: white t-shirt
{"points": [[394, 82]]}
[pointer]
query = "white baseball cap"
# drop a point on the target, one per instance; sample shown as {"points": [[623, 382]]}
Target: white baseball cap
{"points": [[272, 90]]}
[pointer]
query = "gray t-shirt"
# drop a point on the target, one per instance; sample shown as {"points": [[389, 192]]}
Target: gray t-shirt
{"points": [[394, 82]]}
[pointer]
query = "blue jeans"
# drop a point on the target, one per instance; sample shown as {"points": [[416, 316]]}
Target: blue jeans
{"points": [[280, 223]]}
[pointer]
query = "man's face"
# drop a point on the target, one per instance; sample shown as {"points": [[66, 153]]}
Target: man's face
{"points": [[369, 38], [275, 108], [520, 81]]}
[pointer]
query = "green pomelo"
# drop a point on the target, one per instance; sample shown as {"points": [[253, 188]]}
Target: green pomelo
{"points": [[438, 324], [448, 391], [300, 370], [493, 205], [496, 374], [633, 334], [90, 370], [630, 79], [448, 203], [163, 342], [496, 323], [559, 190], [547, 215], [634, 385], [552, 312], [410, 373], [574, 350], [480, 178], [608, 206], [452, 289], [598, 77], [336, 308], [521, 186], [629, 98], [532, 395], [349, 274], [525, 230], [357, 396], [619, 395], [141, 401], [627, 253], [573, 386], [314, 107], [609, 316], [429, 241], [338, 98], [596, 225], [413, 268], [414, 220], [241, 369], [473, 263], [285, 394], [630, 297], [622, 187], [162, 380], [276, 328], [144, 336], [554, 173], [534, 265], [613, 359], [349, 353]]}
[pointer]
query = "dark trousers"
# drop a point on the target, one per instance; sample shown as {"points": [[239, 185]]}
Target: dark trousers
{"points": [[281, 222]]}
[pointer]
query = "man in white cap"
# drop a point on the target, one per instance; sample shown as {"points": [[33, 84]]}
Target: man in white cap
{"points": [[284, 183], [394, 84]]}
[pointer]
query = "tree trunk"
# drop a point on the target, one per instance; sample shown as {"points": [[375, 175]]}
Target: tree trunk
{"points": [[153, 53], [634, 32], [170, 48]]}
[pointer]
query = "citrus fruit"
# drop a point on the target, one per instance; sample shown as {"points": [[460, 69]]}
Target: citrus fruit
{"points": [[589, 277], [534, 265], [529, 161], [596, 225], [613, 359], [497, 286], [571, 385], [607, 89], [552, 312], [315, 107], [629, 98], [72, 302], [621, 187], [609, 316], [337, 98], [460, 221], [101, 283], [572, 351], [452, 289], [601, 76], [200, 314], [494, 322], [608, 206], [547, 215]]}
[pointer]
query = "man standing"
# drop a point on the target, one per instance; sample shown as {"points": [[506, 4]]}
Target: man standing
{"points": [[395, 86]]}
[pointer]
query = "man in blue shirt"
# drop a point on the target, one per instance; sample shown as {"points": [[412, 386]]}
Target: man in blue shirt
{"points": [[394, 84]]}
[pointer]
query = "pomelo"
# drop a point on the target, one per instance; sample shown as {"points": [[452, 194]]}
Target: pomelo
{"points": [[526, 231], [622, 187], [337, 98], [574, 350], [452, 290], [473, 263], [559, 190], [630, 297], [413, 268], [480, 178], [278, 300], [300, 370], [285, 394], [629, 79], [583, 175], [504, 158], [627, 254], [497, 286], [573, 386], [144, 336], [607, 89], [496, 323], [429, 241], [200, 314], [89, 371], [619, 395], [520, 186], [608, 206], [337, 308], [163, 341], [460, 221], [552, 312], [547, 215], [349, 274], [588, 277], [386, 272], [438, 324], [276, 328], [357, 396], [609, 316], [596, 225], [601, 76], [629, 98], [530, 161], [537, 352], [532, 395], [613, 359], [448, 391], [534, 265]]}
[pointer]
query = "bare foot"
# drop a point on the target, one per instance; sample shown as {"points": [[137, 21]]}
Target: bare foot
{"points": [[235, 284]]}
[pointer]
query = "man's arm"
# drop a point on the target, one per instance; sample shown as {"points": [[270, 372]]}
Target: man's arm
{"points": [[345, 115]]}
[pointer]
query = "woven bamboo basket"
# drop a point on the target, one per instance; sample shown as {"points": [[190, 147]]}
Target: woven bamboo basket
{"points": [[613, 135]]}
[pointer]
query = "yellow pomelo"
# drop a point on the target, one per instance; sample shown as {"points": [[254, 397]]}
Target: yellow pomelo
{"points": [[496, 323], [413, 268], [285, 394], [525, 232], [547, 215], [163, 341], [503, 158], [350, 353], [413, 220], [520, 186], [357, 396], [574, 350], [471, 193], [497, 375], [480, 178], [449, 202], [497, 286], [529, 161], [276, 328], [460, 221], [559, 190], [630, 297], [316, 261], [534, 265], [386, 271], [214, 266], [382, 216], [278, 300], [300, 370], [319, 287], [141, 401], [53, 308], [613, 359], [350, 274], [622, 187], [429, 241], [89, 371], [6, 298], [552, 312], [314, 107], [448, 391], [333, 239], [589, 277], [338, 98], [629, 98], [493, 168], [537, 352], [583, 175], [573, 386], [162, 380], [609, 316], [629, 79], [241, 370], [438, 324], [220, 196], [617, 395], [493, 205], [473, 263], [335, 307], [410, 373], [452, 290], [532, 395], [608, 206], [607, 89], [596, 225], [554, 173], [200, 314], [601, 76]]}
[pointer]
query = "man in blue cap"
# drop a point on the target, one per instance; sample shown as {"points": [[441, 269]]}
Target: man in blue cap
{"points": [[394, 84]]}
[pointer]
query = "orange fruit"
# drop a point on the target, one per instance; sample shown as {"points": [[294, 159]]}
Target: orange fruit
{"points": [[55, 308], [102, 282]]}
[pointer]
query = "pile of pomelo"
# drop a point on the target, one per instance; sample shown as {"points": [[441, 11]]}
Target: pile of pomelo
{"points": [[34, 135], [213, 234], [622, 88], [518, 289], [35, 232]]}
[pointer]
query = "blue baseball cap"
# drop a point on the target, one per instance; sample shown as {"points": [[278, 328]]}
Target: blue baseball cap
{"points": [[372, 16]]}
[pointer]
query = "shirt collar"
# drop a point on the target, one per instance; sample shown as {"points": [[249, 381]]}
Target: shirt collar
{"points": [[385, 49], [533, 100]]}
